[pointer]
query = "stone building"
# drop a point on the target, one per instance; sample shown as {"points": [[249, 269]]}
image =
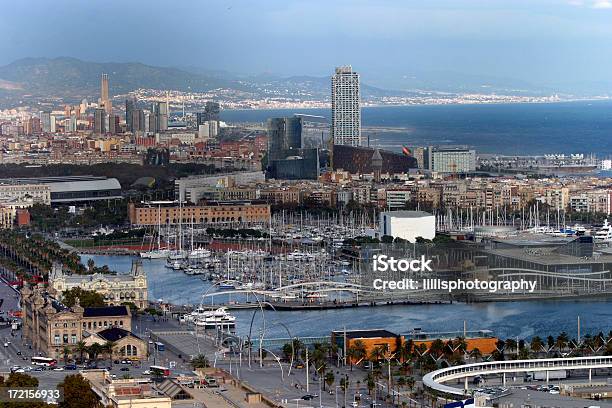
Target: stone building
{"points": [[116, 289], [56, 331]]}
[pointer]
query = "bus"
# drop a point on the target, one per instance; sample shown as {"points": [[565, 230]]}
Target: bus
{"points": [[159, 346], [44, 361], [159, 371]]}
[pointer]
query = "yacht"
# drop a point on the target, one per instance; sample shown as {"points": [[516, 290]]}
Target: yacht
{"points": [[155, 254], [210, 319], [199, 253], [604, 234]]}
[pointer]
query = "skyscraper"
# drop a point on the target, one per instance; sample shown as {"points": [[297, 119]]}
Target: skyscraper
{"points": [[283, 134], [346, 109], [104, 87], [160, 113], [45, 121], [105, 102], [99, 121], [130, 105]]}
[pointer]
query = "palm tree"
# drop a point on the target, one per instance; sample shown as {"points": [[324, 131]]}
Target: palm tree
{"points": [[66, 352], [476, 354], [562, 341], [80, 347], [108, 349], [370, 383], [377, 353], [94, 351], [200, 361], [329, 379], [536, 344], [410, 382]]}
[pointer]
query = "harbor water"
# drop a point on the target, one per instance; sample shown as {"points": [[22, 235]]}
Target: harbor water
{"points": [[522, 319]]}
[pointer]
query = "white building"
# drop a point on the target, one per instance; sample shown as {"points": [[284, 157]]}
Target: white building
{"points": [[449, 159], [346, 109], [408, 225], [39, 193]]}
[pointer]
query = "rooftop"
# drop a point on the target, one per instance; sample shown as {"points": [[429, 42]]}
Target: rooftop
{"points": [[114, 334], [365, 334], [105, 311], [407, 214]]}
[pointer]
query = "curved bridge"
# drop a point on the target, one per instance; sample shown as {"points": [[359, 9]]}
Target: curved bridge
{"points": [[435, 379]]}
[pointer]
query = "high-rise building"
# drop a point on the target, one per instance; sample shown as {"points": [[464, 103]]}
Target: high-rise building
{"points": [[104, 87], [45, 121], [160, 113], [211, 112], [283, 134], [346, 109], [138, 120], [450, 159], [99, 121], [130, 105], [105, 102]]}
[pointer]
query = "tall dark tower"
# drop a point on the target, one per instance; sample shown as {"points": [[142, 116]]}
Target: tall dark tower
{"points": [[130, 106], [377, 163]]}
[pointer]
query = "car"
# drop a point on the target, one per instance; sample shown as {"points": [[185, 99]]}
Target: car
{"points": [[299, 365], [58, 369], [70, 367], [309, 397], [5, 344], [125, 369], [114, 376], [15, 368], [146, 372], [18, 352], [126, 361], [39, 368], [116, 362]]}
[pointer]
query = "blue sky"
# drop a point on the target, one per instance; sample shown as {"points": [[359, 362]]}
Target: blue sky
{"points": [[540, 41]]}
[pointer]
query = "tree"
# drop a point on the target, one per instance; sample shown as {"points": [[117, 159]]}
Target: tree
{"points": [[21, 380], [78, 393], [108, 349], [356, 352], [329, 379], [94, 351], [370, 383], [536, 344], [476, 354], [87, 298], [80, 348], [200, 361], [410, 382], [66, 352]]}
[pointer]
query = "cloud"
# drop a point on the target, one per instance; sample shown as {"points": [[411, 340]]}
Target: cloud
{"points": [[602, 4]]}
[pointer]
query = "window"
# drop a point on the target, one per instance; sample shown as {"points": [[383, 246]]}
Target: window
{"points": [[73, 339], [65, 339], [56, 339]]}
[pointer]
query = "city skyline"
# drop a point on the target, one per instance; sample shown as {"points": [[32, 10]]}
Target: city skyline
{"points": [[543, 43]]}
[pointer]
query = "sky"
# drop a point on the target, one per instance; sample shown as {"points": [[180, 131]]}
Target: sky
{"points": [[537, 41]]}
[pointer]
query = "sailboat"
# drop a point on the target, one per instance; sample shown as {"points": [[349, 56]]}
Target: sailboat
{"points": [[159, 252]]}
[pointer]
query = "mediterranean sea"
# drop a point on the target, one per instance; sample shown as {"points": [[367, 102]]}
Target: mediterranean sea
{"points": [[511, 129]]}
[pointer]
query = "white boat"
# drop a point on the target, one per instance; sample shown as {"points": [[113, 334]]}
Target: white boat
{"points": [[155, 254], [176, 265], [210, 319], [199, 253], [604, 234]]}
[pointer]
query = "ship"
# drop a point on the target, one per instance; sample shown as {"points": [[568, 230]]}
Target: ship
{"points": [[211, 319]]}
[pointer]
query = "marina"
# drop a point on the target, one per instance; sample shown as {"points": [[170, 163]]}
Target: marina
{"points": [[523, 318]]}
